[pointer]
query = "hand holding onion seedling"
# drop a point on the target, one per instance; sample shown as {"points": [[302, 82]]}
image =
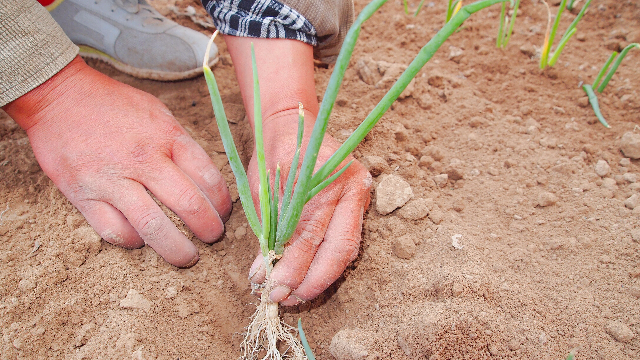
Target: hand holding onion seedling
{"points": [[283, 198]]}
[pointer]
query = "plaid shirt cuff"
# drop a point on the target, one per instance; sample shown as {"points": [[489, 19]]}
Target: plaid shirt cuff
{"points": [[260, 19]]}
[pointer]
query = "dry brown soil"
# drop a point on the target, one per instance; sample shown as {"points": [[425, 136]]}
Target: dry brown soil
{"points": [[530, 281]]}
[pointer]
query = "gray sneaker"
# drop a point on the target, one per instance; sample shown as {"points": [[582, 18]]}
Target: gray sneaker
{"points": [[134, 38]]}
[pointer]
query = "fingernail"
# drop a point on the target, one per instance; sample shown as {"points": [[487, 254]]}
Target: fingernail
{"points": [[292, 300], [254, 269], [279, 293]]}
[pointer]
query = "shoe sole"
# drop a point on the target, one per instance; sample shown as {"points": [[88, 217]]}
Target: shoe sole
{"points": [[91, 53]]}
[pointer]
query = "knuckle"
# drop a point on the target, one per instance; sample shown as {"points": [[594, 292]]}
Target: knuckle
{"points": [[191, 202], [311, 234], [151, 227]]}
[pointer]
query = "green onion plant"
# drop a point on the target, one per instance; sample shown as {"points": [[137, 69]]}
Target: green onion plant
{"points": [[280, 214], [551, 34], [616, 59], [505, 35]]}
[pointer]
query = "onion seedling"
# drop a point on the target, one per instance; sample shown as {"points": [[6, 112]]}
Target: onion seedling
{"points": [[551, 34], [452, 8], [280, 215], [505, 20], [599, 87]]}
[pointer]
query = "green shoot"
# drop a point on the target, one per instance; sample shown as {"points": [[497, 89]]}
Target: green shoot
{"points": [[604, 69], [406, 6], [419, 8], [305, 343], [593, 99], [617, 62], [452, 8], [500, 29], [551, 33], [511, 23], [505, 35], [571, 4]]}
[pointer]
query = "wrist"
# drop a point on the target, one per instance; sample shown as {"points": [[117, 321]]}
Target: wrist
{"points": [[26, 108]]}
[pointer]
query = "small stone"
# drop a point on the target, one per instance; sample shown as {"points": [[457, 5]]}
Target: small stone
{"points": [[171, 292], [375, 164], [240, 232], [426, 161], [610, 184], [454, 170], [404, 247], [630, 177], [583, 102], [493, 350], [425, 101], [135, 300], [514, 344], [619, 331], [416, 209], [625, 162], [368, 71], [602, 168], [493, 171], [392, 192], [455, 54], [630, 145], [346, 345], [528, 50], [549, 142], [441, 180], [632, 202], [547, 199], [457, 289]]}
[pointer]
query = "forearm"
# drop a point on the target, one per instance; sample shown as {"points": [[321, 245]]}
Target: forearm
{"points": [[285, 73]]}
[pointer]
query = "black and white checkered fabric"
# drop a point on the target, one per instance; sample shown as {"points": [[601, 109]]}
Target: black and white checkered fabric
{"points": [[260, 19]]}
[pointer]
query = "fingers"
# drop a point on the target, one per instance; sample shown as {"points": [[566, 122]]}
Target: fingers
{"points": [[197, 165], [154, 226], [110, 224], [180, 194], [290, 271], [340, 247]]}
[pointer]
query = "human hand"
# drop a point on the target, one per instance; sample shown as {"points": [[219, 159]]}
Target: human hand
{"points": [[328, 236], [104, 144]]}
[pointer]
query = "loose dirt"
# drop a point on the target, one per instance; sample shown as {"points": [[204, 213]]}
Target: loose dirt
{"points": [[524, 250]]}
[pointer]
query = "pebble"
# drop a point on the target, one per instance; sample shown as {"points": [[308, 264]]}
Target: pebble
{"points": [[441, 180], [455, 54], [619, 331], [625, 162], [514, 344], [416, 209], [367, 71], [135, 300], [630, 177], [630, 145], [493, 171], [375, 164], [547, 199], [610, 184], [404, 247], [345, 346], [602, 168], [528, 50], [391, 193], [454, 170], [240, 232], [583, 102], [632, 202], [426, 161]]}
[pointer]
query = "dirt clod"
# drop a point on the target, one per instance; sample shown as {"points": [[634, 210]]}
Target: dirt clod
{"points": [[392, 192]]}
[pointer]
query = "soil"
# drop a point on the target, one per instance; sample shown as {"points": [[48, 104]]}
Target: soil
{"points": [[526, 252]]}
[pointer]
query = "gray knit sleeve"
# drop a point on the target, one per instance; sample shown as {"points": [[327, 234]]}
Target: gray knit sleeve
{"points": [[33, 48]]}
